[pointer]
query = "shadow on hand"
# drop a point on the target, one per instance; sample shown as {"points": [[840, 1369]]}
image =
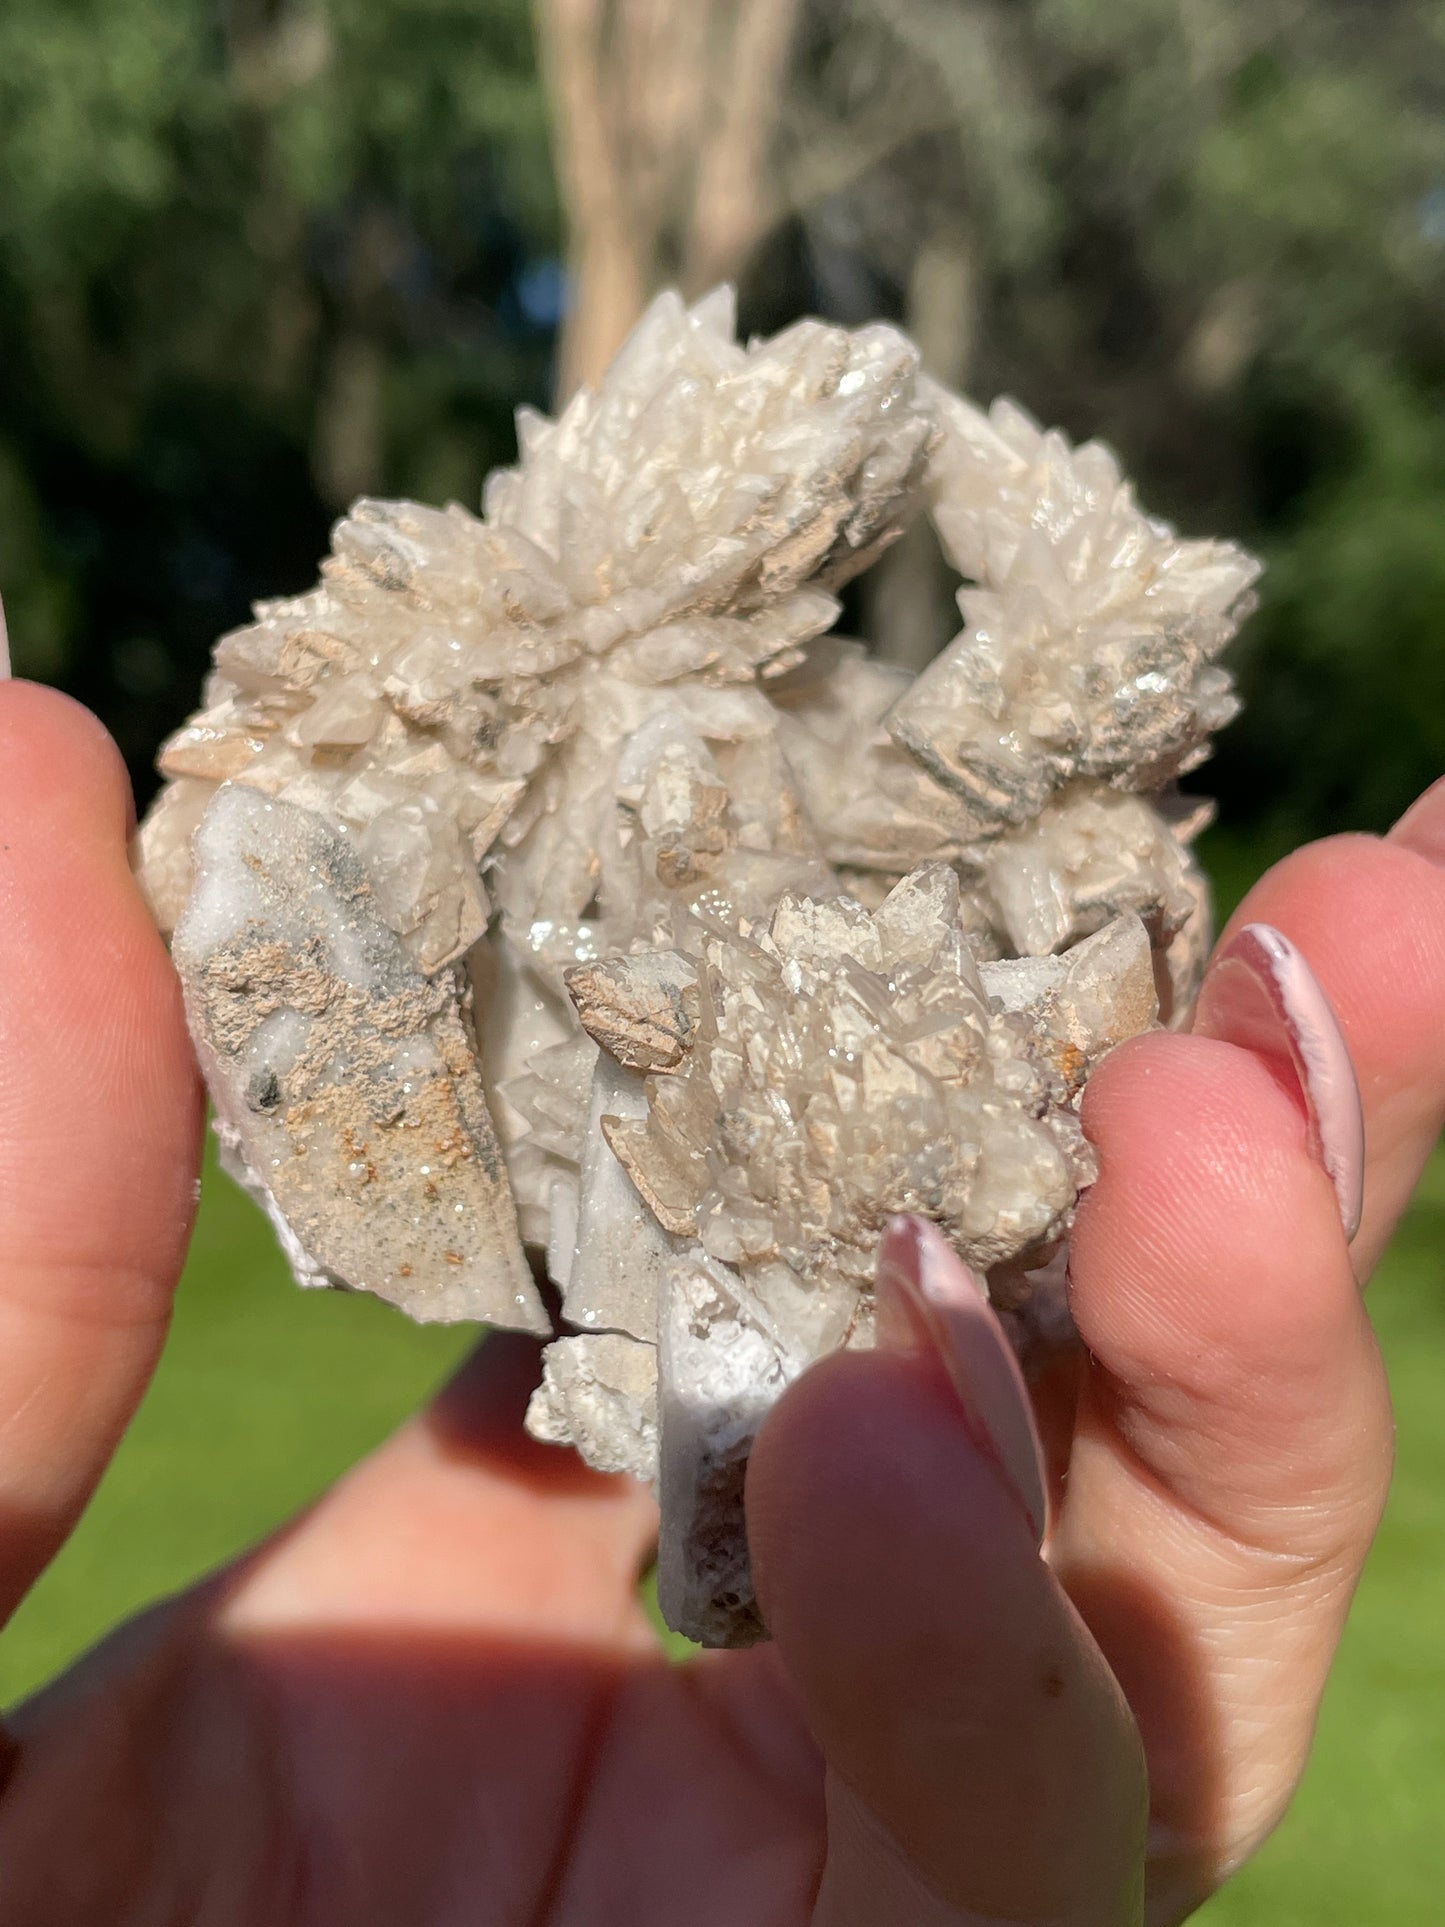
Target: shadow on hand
{"points": [[1166, 1680], [424, 1775]]}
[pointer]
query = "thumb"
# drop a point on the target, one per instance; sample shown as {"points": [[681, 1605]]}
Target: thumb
{"points": [[982, 1763], [99, 1125]]}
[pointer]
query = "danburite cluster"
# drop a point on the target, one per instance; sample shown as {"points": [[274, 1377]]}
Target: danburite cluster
{"points": [[557, 879]]}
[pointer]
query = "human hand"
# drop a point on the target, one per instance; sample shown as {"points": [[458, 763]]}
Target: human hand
{"points": [[435, 1698]]}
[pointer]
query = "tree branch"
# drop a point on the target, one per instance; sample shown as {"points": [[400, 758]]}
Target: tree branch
{"points": [[608, 278], [732, 203]]}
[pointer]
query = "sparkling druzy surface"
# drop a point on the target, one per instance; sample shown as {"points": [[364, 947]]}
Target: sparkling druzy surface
{"points": [[556, 878]]}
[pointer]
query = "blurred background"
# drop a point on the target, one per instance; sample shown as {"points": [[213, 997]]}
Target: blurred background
{"points": [[260, 256]]}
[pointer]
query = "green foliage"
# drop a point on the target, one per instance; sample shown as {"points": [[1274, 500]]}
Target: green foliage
{"points": [[39, 599], [254, 258], [1214, 234], [88, 94], [265, 1396], [1346, 674], [259, 255], [1274, 170], [395, 92]]}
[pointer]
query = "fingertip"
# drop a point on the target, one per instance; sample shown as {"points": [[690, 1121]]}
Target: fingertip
{"points": [[1261, 994], [837, 1457], [55, 754], [1422, 827], [1146, 1099], [100, 1107], [1166, 1095], [951, 1687], [100, 1120], [1368, 913], [1209, 1210], [1211, 1281]]}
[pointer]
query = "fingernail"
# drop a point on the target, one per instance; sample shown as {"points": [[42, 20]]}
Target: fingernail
{"points": [[1422, 827], [1261, 994], [928, 1298], [4, 645]]}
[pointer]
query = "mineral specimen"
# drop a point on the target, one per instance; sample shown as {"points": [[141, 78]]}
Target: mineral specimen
{"points": [[555, 879], [346, 1083]]}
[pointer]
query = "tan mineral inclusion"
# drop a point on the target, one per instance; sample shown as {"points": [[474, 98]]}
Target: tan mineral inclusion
{"points": [[558, 879]]}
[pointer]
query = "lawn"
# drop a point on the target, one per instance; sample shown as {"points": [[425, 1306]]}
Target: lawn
{"points": [[265, 1395]]}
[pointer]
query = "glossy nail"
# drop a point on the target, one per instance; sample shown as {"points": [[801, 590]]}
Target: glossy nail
{"points": [[4, 645], [927, 1298], [1422, 827], [1261, 994]]}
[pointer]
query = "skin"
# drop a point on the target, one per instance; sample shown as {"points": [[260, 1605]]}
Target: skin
{"points": [[433, 1698]]}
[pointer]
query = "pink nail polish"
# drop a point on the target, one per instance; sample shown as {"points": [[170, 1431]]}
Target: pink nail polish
{"points": [[928, 1297], [1422, 827], [4, 645], [1261, 994]]}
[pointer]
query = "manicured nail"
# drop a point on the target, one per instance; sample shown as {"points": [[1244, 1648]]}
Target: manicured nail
{"points": [[4, 645], [927, 1298], [1260, 993], [1422, 827]]}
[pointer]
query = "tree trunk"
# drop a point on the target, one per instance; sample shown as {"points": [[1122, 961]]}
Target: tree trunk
{"points": [[608, 289], [910, 594], [348, 437], [608, 276], [663, 117], [732, 205]]}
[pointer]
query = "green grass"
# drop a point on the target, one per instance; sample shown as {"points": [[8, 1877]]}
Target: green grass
{"points": [[265, 1394], [1362, 1843]]}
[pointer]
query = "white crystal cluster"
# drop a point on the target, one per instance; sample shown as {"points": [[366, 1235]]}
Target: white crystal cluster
{"points": [[447, 684], [556, 879], [844, 1065], [1093, 633]]}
